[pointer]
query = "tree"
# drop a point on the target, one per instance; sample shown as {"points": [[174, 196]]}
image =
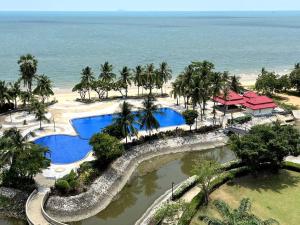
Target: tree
{"points": [[235, 84], [266, 145], [28, 67], [164, 73], [295, 77], [4, 94], [126, 120], [190, 117], [106, 147], [149, 79], [14, 91], [81, 89], [206, 171], [218, 80], [87, 79], [106, 74], [43, 87], [240, 216], [99, 86], [39, 109], [138, 77], [283, 83], [266, 82], [126, 78], [147, 118], [25, 159]]}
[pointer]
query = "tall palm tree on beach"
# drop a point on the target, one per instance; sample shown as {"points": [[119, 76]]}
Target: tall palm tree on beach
{"points": [[240, 216], [4, 94], [28, 68], [87, 79], [126, 78], [217, 81], [149, 77], [40, 110], [138, 77], [126, 120], [106, 74], [14, 91], [164, 73], [43, 87], [147, 118]]}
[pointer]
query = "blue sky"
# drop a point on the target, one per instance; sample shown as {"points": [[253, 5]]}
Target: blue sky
{"points": [[148, 5]]}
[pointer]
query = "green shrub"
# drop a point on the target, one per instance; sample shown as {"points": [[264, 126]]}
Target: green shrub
{"points": [[106, 148], [240, 120], [63, 186], [182, 189]]}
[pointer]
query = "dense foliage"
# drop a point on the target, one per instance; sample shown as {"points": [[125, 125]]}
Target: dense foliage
{"points": [[266, 145], [241, 215], [20, 160], [106, 148], [190, 117]]}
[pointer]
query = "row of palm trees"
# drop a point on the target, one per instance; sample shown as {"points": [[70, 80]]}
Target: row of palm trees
{"points": [[146, 77], [12, 91], [199, 82], [128, 121]]}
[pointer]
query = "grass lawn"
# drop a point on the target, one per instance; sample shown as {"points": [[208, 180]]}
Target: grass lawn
{"points": [[272, 196]]}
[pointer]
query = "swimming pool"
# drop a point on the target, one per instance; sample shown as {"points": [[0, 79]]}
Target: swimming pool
{"points": [[66, 149]]}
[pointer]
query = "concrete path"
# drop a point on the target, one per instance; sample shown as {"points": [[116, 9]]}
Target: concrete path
{"points": [[34, 211]]}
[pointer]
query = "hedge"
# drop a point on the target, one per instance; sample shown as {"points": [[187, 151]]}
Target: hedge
{"points": [[240, 120], [183, 188], [198, 200], [291, 166]]}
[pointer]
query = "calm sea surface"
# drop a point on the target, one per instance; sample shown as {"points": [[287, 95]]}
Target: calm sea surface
{"points": [[240, 42]]}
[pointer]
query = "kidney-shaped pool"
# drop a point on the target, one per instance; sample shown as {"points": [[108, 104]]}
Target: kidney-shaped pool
{"points": [[64, 149]]}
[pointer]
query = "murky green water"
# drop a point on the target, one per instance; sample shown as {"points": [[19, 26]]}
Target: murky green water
{"points": [[152, 179]]}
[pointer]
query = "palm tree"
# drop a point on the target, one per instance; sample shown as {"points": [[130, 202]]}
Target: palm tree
{"points": [[186, 83], [125, 78], [239, 216], [39, 109], [106, 74], [235, 84], [4, 94], [149, 77], [126, 120], [164, 73], [175, 92], [43, 87], [217, 80], [147, 118], [11, 143], [28, 68], [87, 79], [14, 91], [138, 77]]}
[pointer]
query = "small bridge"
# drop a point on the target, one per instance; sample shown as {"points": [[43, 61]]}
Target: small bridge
{"points": [[235, 130]]}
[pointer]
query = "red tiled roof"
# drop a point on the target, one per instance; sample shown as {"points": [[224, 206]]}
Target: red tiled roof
{"points": [[260, 106], [250, 94], [232, 99], [259, 102]]}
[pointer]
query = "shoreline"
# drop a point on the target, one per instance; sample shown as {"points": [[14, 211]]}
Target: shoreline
{"points": [[112, 181]]}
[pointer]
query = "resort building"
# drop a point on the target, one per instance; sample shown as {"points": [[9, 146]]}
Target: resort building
{"points": [[258, 105], [231, 101]]}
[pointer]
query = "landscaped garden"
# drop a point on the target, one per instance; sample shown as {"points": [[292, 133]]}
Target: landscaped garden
{"points": [[274, 196]]}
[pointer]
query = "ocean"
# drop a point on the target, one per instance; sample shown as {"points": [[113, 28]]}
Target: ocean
{"points": [[65, 42]]}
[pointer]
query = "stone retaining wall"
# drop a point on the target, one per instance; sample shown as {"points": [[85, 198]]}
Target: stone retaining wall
{"points": [[111, 182]]}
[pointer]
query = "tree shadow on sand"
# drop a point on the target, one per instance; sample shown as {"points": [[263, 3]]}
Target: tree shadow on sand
{"points": [[268, 181]]}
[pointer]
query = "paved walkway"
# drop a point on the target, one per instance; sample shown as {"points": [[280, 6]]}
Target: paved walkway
{"points": [[34, 211]]}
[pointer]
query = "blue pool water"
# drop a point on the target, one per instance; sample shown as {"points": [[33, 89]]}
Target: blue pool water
{"points": [[68, 149]]}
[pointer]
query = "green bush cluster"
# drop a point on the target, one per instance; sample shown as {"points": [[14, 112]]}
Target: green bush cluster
{"points": [[179, 192], [68, 183], [240, 120]]}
